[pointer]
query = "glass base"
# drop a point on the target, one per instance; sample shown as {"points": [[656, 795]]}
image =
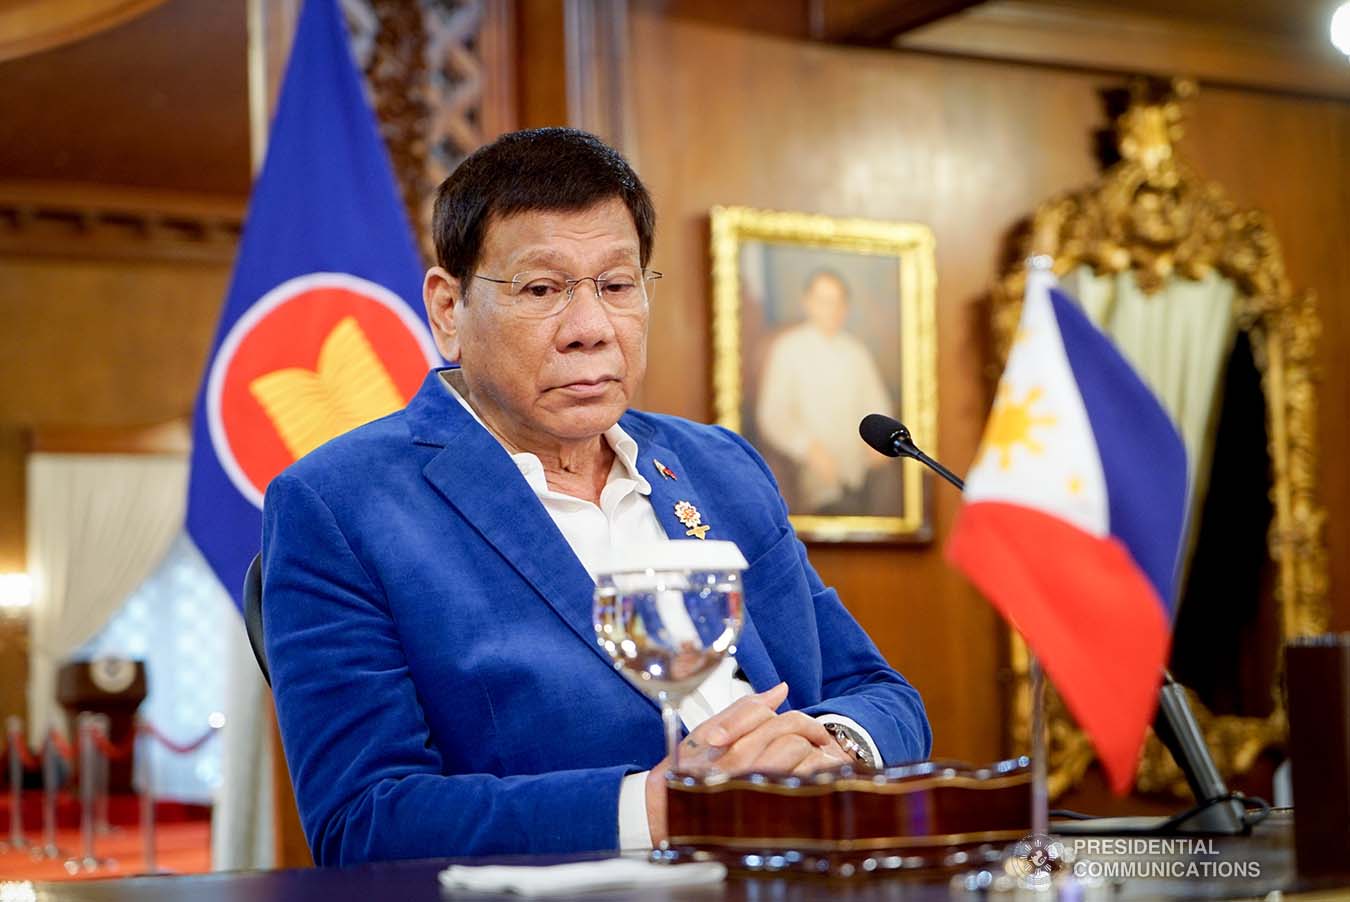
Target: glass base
{"points": [[1037, 865]]}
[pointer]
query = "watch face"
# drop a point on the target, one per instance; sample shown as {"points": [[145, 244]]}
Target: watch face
{"points": [[844, 736]]}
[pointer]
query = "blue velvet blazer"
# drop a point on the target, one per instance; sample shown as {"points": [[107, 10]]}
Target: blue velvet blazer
{"points": [[437, 680]]}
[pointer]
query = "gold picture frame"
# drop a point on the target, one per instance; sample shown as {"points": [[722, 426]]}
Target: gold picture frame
{"points": [[856, 297]]}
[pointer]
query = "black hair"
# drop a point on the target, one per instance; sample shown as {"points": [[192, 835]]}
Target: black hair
{"points": [[556, 169]]}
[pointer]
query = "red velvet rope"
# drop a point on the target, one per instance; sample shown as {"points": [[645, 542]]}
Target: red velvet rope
{"points": [[149, 729], [110, 751], [29, 761], [63, 749]]}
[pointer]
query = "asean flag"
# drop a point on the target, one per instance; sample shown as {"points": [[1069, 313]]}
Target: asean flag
{"points": [[322, 329], [1073, 518]]}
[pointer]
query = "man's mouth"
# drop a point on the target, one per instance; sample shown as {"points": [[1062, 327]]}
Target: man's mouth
{"points": [[588, 387]]}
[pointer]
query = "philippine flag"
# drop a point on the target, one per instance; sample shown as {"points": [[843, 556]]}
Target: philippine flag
{"points": [[322, 329], [1073, 520]]}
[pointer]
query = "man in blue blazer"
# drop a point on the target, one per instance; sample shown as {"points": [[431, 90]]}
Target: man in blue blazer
{"points": [[428, 577]]}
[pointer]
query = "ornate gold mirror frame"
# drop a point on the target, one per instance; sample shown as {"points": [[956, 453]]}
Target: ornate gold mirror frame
{"points": [[1151, 215]]}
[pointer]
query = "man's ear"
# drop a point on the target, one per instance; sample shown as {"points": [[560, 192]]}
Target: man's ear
{"points": [[442, 297]]}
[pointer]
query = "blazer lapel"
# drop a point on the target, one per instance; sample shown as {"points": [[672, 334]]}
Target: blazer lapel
{"points": [[672, 485], [476, 476]]}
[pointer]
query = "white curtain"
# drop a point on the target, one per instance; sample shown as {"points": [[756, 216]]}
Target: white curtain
{"points": [[98, 524], [1178, 340]]}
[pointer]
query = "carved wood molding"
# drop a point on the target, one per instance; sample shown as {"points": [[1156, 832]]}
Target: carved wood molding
{"points": [[876, 23], [1151, 215], [396, 74], [52, 219], [1103, 39], [440, 77]]}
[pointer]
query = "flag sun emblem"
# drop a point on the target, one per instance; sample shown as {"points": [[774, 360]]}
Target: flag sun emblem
{"points": [[1011, 424]]}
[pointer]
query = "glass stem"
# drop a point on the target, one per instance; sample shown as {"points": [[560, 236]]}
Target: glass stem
{"points": [[670, 716]]}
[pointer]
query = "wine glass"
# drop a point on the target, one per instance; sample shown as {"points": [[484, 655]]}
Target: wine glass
{"points": [[667, 614]]}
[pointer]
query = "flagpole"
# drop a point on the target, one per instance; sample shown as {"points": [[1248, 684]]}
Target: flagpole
{"points": [[1040, 790], [257, 83]]}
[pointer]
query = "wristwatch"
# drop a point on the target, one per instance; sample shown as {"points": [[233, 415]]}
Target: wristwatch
{"points": [[852, 743]]}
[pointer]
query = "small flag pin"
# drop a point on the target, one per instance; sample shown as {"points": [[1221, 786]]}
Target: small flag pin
{"points": [[664, 470]]}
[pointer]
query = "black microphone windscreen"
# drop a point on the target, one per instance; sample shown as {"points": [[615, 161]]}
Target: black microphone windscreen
{"points": [[880, 431]]}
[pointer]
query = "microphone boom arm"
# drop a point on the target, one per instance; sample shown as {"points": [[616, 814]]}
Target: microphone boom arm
{"points": [[935, 467]]}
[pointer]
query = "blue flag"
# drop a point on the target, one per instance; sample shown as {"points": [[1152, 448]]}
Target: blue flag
{"points": [[323, 327]]}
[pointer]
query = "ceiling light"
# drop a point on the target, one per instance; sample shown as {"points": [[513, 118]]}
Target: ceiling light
{"points": [[1340, 28]]}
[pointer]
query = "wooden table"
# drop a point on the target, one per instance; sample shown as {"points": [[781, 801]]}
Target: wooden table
{"points": [[1270, 847]]}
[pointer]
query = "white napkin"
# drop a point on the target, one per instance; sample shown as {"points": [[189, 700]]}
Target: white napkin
{"points": [[579, 877]]}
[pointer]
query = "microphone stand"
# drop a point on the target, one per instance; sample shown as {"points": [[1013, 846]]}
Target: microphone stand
{"points": [[903, 445], [1216, 811]]}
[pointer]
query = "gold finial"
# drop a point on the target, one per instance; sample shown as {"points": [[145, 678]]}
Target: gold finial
{"points": [[1147, 132]]}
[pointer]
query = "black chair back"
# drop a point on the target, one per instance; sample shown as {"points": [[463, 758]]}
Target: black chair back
{"points": [[253, 621]]}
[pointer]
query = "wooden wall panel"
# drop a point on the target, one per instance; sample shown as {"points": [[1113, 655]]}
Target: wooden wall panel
{"points": [[86, 343], [968, 147], [92, 344], [1291, 158], [103, 344]]}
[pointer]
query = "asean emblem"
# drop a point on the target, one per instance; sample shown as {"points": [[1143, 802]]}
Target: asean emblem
{"points": [[316, 356]]}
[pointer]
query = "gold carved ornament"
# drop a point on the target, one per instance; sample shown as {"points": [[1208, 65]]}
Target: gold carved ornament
{"points": [[1149, 214], [425, 69]]}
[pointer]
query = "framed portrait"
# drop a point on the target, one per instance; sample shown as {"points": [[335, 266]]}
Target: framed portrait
{"points": [[817, 322]]}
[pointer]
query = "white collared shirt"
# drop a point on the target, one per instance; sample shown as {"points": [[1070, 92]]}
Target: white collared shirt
{"points": [[624, 519]]}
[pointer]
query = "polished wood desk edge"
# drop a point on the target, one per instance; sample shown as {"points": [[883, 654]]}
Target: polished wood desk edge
{"points": [[1271, 841]]}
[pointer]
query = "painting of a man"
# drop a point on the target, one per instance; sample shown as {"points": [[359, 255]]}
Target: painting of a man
{"points": [[819, 321], [818, 381]]}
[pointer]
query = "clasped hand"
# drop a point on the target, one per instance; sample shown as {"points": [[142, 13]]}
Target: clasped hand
{"points": [[749, 736]]}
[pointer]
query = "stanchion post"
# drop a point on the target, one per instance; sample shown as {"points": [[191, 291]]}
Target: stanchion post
{"points": [[85, 729], [88, 729], [147, 796], [103, 724], [14, 734], [50, 779]]}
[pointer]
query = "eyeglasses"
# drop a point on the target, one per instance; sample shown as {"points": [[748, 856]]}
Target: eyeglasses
{"points": [[544, 293]]}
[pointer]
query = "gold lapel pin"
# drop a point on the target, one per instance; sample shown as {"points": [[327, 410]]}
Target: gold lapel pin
{"points": [[689, 517], [664, 470]]}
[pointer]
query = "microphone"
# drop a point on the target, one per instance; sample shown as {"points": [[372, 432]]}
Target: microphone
{"points": [[891, 438]]}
